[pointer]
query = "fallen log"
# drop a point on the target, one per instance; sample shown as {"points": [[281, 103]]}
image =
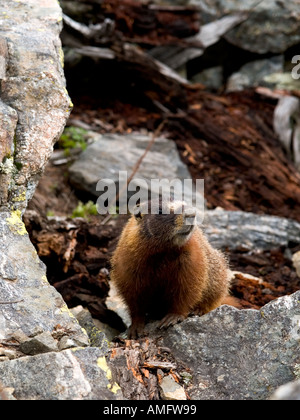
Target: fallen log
{"points": [[139, 22], [237, 153]]}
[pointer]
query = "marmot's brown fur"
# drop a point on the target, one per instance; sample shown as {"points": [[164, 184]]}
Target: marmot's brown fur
{"points": [[165, 268]]}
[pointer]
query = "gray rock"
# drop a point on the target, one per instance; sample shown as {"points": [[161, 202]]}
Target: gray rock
{"points": [[7, 354], [211, 78], [235, 229], [7, 131], [171, 390], [287, 392], [176, 56], [281, 81], [6, 393], [78, 374], [236, 354], [254, 73], [110, 154], [271, 26], [19, 336], [97, 337], [34, 107], [286, 124], [34, 103], [42, 343], [28, 304], [102, 328], [3, 58]]}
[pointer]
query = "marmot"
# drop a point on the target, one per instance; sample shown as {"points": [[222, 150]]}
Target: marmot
{"points": [[164, 268]]}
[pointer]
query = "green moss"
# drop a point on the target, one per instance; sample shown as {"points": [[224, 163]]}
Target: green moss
{"points": [[73, 138], [85, 210]]}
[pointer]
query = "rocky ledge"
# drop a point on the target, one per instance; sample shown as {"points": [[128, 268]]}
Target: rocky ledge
{"points": [[34, 107], [240, 354]]}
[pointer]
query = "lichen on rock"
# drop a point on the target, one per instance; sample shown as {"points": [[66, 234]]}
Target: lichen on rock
{"points": [[34, 103], [34, 107], [15, 223]]}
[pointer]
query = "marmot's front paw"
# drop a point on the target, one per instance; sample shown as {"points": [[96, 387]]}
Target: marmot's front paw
{"points": [[170, 319], [135, 331]]}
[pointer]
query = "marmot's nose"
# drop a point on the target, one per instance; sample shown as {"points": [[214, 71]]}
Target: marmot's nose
{"points": [[189, 216]]}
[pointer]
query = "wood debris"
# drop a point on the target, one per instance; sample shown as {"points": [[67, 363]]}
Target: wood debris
{"points": [[146, 366]]}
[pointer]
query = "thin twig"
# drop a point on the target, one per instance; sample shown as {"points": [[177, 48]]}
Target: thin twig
{"points": [[156, 364], [138, 163], [136, 167], [106, 219]]}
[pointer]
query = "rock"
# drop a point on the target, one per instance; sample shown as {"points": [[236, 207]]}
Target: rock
{"points": [[111, 153], [34, 101], [254, 73], [211, 78], [6, 393], [286, 124], [78, 374], [7, 353], [287, 392], [42, 343], [282, 81], [109, 332], [7, 131], [296, 262], [115, 303], [19, 336], [171, 390], [34, 107], [3, 57], [239, 354], [28, 304], [271, 26], [65, 343], [98, 336], [176, 56], [238, 229]]}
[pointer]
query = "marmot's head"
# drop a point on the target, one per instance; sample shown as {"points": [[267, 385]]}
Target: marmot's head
{"points": [[165, 224]]}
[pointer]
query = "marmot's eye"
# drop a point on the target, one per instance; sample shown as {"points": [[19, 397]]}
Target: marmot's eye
{"points": [[138, 213]]}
